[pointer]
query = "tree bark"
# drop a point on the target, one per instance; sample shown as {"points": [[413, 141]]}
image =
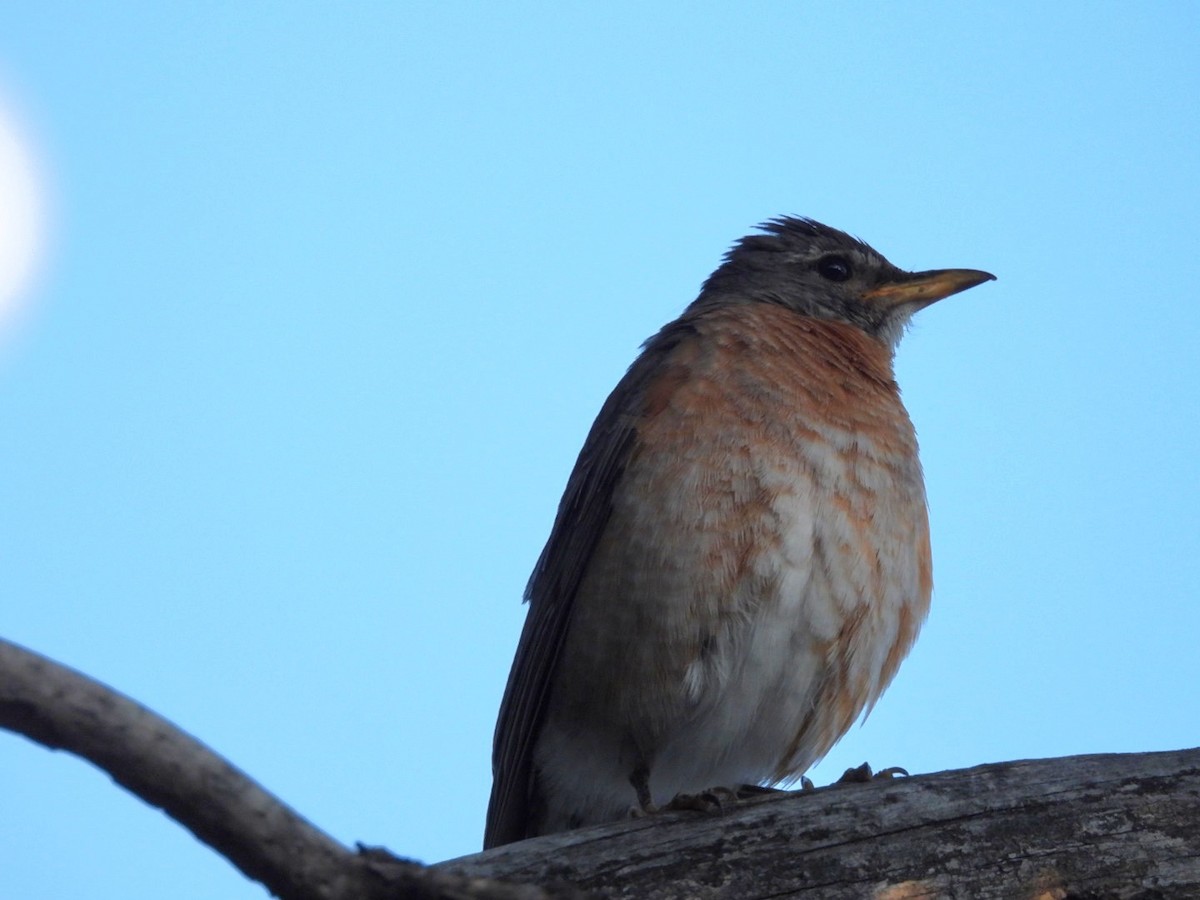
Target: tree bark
{"points": [[1106, 826], [1077, 828]]}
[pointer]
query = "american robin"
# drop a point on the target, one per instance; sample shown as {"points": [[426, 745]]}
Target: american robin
{"points": [[741, 558]]}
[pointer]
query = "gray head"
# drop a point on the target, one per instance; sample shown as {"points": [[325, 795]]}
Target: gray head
{"points": [[821, 272]]}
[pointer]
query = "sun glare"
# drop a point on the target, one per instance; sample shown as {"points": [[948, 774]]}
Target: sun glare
{"points": [[21, 213]]}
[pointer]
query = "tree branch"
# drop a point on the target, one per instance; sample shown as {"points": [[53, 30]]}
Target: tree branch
{"points": [[269, 842], [1075, 828]]}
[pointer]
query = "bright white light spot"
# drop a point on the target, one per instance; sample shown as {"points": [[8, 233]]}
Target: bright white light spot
{"points": [[21, 213]]}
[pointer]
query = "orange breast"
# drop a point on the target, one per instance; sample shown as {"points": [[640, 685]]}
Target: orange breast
{"points": [[765, 566], [779, 450]]}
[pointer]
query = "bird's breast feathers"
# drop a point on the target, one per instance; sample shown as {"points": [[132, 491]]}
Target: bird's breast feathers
{"points": [[767, 545]]}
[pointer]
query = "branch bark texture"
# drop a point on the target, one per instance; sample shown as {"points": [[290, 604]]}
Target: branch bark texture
{"points": [[1077, 828]]}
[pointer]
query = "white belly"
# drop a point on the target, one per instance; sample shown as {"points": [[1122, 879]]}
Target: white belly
{"points": [[722, 674]]}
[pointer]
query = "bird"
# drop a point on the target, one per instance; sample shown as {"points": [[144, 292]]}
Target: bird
{"points": [[741, 557]]}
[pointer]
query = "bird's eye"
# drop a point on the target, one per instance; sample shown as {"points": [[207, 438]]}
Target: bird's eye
{"points": [[834, 268]]}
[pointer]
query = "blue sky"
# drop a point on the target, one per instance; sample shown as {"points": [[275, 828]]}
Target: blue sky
{"points": [[334, 294]]}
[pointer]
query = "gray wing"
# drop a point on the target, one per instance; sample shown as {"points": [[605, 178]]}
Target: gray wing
{"points": [[582, 516]]}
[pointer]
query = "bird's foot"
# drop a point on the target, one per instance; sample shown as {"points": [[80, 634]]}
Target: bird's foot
{"points": [[712, 800], [640, 779], [863, 774]]}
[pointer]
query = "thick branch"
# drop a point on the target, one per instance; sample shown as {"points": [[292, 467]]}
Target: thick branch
{"points": [[219, 804], [1106, 826]]}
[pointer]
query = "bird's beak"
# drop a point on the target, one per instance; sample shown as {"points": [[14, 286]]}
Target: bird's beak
{"points": [[922, 288]]}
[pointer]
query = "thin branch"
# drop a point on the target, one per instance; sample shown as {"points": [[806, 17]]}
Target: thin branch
{"points": [[268, 841]]}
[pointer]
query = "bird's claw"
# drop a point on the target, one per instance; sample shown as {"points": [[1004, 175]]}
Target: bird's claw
{"points": [[711, 800], [863, 774]]}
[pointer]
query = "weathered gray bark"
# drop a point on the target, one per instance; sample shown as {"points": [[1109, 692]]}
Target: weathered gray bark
{"points": [[1117, 826], [1105, 826]]}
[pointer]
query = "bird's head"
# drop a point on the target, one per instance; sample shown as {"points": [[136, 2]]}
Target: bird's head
{"points": [[821, 272]]}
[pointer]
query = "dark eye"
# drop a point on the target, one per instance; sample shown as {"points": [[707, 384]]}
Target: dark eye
{"points": [[834, 267]]}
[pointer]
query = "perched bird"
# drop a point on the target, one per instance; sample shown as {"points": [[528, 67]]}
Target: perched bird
{"points": [[741, 558]]}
